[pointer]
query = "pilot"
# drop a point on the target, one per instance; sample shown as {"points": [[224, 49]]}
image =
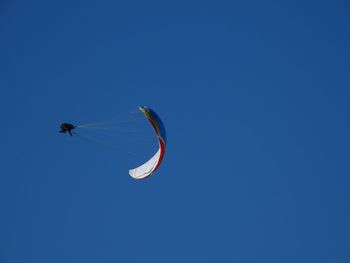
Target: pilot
{"points": [[67, 127]]}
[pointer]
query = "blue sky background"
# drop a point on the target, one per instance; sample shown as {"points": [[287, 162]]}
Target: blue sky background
{"points": [[255, 99]]}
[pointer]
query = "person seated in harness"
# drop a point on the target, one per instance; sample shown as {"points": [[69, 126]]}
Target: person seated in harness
{"points": [[67, 127]]}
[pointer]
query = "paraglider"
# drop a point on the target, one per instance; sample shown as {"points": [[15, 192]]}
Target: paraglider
{"points": [[149, 167], [67, 127]]}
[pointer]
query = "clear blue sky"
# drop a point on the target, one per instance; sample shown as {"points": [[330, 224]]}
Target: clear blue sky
{"points": [[255, 99]]}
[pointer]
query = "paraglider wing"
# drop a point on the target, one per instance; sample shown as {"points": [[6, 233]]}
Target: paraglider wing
{"points": [[152, 164]]}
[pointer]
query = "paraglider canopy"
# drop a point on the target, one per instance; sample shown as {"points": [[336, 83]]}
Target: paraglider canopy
{"points": [[152, 164]]}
